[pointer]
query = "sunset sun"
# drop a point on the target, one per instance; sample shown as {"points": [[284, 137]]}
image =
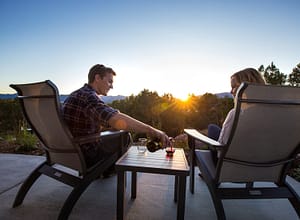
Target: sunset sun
{"points": [[184, 97]]}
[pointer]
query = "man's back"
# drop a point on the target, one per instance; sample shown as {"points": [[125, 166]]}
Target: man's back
{"points": [[85, 113]]}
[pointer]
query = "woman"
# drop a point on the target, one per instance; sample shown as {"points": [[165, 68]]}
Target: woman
{"points": [[250, 75]]}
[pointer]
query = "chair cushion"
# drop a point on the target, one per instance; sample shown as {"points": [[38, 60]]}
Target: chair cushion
{"points": [[206, 158]]}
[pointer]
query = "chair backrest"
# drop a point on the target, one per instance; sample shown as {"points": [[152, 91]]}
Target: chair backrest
{"points": [[42, 109], [265, 136]]}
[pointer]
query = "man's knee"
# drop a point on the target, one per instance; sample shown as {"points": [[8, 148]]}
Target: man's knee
{"points": [[213, 131]]}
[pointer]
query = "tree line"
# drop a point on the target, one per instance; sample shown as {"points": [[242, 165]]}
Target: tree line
{"points": [[173, 115], [164, 112], [273, 75]]}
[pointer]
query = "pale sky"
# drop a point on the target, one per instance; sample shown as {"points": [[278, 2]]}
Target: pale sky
{"points": [[168, 46]]}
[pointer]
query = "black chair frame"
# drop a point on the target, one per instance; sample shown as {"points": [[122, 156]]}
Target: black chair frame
{"points": [[85, 175], [211, 171]]}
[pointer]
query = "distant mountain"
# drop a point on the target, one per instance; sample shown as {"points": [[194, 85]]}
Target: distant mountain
{"points": [[8, 96], [106, 99], [224, 95], [110, 99]]}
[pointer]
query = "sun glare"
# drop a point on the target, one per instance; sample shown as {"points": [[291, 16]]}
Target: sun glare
{"points": [[183, 97], [184, 102]]}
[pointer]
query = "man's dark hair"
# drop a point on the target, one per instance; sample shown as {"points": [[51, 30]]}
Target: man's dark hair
{"points": [[99, 69]]}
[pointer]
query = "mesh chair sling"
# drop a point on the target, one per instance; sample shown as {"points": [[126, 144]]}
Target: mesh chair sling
{"points": [[264, 140], [42, 110]]}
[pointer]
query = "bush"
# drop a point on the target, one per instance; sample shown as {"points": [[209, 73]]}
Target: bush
{"points": [[26, 141], [23, 142]]}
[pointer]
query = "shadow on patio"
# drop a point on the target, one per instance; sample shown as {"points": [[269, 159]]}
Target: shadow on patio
{"points": [[154, 198]]}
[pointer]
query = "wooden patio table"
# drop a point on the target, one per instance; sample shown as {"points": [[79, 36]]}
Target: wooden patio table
{"points": [[157, 162]]}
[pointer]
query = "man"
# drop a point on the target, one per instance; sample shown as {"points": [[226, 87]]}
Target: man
{"points": [[85, 114]]}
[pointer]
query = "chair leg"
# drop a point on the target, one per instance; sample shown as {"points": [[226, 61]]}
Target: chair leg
{"points": [[217, 203], [219, 209], [213, 187], [295, 203], [294, 198], [27, 185], [82, 185], [72, 199]]}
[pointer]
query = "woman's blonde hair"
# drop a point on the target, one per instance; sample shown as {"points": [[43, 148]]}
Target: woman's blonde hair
{"points": [[249, 75]]}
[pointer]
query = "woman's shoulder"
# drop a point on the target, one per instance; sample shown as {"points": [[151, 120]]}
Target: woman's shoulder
{"points": [[230, 114]]}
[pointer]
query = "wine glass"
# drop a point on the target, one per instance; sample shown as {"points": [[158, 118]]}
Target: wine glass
{"points": [[170, 150]]}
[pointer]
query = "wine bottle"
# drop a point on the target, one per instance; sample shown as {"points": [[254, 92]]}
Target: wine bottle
{"points": [[153, 145]]}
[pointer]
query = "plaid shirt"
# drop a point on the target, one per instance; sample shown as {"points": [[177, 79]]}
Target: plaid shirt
{"points": [[85, 113]]}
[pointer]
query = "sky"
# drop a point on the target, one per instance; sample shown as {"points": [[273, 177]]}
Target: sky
{"points": [[168, 46]]}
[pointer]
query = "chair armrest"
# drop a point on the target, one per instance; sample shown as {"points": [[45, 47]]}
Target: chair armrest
{"points": [[97, 137], [112, 132], [87, 139], [198, 136]]}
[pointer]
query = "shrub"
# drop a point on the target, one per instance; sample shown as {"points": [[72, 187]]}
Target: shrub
{"points": [[26, 141]]}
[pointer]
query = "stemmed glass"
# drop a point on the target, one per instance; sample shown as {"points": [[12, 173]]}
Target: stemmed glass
{"points": [[170, 150]]}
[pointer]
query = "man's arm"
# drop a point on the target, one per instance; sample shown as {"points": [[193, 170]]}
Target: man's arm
{"points": [[122, 121]]}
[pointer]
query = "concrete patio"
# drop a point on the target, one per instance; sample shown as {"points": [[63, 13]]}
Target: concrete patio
{"points": [[154, 198]]}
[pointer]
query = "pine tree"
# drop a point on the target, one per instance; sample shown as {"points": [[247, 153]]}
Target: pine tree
{"points": [[273, 75], [294, 77]]}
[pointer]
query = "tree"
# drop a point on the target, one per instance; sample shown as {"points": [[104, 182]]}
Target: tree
{"points": [[173, 119], [205, 111], [224, 106], [11, 117], [294, 77], [261, 69], [273, 75]]}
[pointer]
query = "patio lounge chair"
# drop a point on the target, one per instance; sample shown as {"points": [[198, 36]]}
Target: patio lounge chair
{"points": [[42, 110], [263, 143]]}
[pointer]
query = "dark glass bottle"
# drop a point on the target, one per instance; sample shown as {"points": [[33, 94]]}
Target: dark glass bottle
{"points": [[154, 145]]}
